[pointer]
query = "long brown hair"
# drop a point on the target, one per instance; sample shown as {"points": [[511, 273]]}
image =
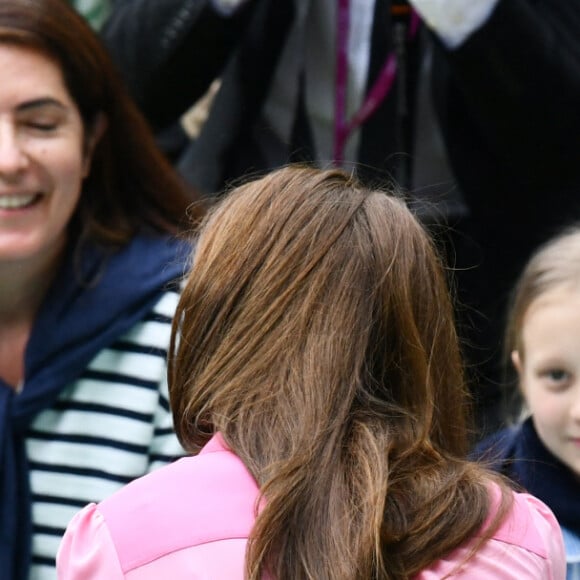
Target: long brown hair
{"points": [[316, 334], [130, 184]]}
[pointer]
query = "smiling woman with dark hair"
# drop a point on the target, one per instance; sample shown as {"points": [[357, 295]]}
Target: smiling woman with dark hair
{"points": [[89, 260]]}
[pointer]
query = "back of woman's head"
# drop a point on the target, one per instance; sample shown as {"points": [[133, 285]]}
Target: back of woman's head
{"points": [[316, 334], [306, 277], [130, 184]]}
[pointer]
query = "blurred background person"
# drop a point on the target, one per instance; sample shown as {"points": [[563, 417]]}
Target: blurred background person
{"points": [[506, 88], [291, 86], [348, 83]]}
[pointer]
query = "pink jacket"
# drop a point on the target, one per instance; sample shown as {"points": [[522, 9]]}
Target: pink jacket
{"points": [[192, 519]]}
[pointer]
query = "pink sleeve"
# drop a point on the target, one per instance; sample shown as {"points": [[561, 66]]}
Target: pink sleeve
{"points": [[527, 546], [86, 551]]}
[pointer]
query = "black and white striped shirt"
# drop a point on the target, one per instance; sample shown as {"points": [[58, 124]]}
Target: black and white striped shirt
{"points": [[107, 428]]}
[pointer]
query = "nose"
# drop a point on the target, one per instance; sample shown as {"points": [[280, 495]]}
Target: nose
{"points": [[13, 158], [575, 405]]}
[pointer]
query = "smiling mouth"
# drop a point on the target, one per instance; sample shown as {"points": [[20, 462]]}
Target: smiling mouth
{"points": [[11, 202]]}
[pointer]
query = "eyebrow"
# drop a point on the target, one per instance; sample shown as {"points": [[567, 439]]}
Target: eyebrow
{"points": [[39, 103]]}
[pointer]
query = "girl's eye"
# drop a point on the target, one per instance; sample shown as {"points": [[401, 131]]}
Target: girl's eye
{"points": [[556, 377]]}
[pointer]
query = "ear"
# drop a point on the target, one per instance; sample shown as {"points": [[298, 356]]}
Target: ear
{"points": [[517, 362], [94, 135]]}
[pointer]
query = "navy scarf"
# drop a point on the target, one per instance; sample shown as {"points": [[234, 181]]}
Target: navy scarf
{"points": [[75, 322], [521, 456]]}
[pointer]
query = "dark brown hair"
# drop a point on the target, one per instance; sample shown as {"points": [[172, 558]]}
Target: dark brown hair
{"points": [[316, 334], [130, 184]]}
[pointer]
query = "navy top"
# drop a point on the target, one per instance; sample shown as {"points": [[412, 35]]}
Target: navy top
{"points": [[518, 453], [95, 298]]}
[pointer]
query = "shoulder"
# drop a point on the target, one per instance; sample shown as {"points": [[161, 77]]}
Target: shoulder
{"points": [[147, 251], [195, 500], [526, 546], [197, 508]]}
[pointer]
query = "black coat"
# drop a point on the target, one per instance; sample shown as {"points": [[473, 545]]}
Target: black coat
{"points": [[509, 105], [508, 102], [171, 50]]}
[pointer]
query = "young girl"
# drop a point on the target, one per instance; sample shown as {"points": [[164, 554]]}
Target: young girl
{"points": [[542, 453], [317, 377]]}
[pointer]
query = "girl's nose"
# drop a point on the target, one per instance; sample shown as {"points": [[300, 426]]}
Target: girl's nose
{"points": [[575, 405]]}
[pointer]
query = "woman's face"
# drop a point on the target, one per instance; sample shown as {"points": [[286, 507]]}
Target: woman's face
{"points": [[549, 371], [43, 156]]}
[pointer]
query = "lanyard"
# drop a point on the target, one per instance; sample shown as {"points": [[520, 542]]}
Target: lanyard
{"points": [[381, 87]]}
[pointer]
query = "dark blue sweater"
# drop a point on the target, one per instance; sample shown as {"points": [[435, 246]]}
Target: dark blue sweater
{"points": [[95, 298]]}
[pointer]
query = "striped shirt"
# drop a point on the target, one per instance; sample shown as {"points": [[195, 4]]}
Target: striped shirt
{"points": [[110, 426]]}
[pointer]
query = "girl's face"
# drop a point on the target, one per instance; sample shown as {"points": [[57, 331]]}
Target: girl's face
{"points": [[549, 371], [43, 155]]}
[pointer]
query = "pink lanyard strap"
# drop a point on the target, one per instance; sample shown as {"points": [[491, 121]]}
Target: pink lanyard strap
{"points": [[381, 87]]}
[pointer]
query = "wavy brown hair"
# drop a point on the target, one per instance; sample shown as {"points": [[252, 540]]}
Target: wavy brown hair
{"points": [[316, 334], [131, 184]]}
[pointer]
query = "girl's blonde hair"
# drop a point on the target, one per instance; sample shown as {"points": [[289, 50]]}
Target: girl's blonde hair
{"points": [[554, 265]]}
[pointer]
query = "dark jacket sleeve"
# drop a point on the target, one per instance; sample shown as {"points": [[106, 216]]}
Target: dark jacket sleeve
{"points": [[169, 51], [517, 82]]}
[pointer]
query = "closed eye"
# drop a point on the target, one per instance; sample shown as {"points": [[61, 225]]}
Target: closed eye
{"points": [[40, 126], [44, 115]]}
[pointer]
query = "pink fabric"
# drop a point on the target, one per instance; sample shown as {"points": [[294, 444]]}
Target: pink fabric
{"points": [[151, 527], [527, 546], [192, 520], [87, 550], [217, 560]]}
